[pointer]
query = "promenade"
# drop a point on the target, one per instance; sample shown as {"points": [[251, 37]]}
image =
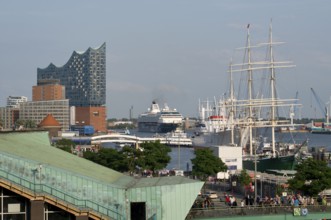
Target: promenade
{"points": [[270, 206], [261, 212]]}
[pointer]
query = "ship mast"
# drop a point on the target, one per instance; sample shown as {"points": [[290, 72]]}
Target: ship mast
{"points": [[273, 100], [250, 91], [232, 105]]}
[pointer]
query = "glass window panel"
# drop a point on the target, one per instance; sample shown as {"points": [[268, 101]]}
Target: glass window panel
{"points": [[9, 204]]}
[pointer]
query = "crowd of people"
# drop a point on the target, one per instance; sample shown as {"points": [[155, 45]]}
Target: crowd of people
{"points": [[289, 200]]}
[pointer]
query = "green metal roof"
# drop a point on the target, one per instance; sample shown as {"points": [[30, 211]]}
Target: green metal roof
{"points": [[36, 146]]}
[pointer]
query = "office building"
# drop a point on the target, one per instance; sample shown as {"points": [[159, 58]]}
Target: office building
{"points": [[8, 117], [14, 101], [48, 90], [37, 111]]}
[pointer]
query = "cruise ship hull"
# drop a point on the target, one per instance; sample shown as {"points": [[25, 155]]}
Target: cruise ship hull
{"points": [[157, 127]]}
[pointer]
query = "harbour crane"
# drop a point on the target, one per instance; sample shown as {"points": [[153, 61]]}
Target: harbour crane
{"points": [[322, 106]]}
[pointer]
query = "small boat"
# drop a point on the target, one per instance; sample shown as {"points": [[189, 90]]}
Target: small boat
{"points": [[178, 138]]}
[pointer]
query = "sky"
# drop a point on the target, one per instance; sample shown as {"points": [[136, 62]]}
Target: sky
{"points": [[175, 51]]}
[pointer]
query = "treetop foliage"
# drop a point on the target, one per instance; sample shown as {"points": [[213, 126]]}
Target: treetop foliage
{"points": [[312, 177], [206, 164]]}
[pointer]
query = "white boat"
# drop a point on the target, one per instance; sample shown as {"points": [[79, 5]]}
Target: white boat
{"points": [[178, 138], [118, 140], [157, 120]]}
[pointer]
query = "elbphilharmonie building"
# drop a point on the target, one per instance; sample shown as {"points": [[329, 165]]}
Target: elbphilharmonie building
{"points": [[84, 77]]}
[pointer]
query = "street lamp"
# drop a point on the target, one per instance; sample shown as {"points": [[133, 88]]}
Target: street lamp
{"points": [[34, 172], [255, 171], [178, 151]]}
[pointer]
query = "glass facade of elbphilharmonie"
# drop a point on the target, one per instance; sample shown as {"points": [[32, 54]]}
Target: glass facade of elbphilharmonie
{"points": [[84, 77]]}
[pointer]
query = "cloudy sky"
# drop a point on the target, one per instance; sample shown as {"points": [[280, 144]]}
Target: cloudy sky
{"points": [[174, 51]]}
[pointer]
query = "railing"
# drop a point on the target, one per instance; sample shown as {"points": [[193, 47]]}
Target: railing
{"points": [[254, 211], [44, 190]]}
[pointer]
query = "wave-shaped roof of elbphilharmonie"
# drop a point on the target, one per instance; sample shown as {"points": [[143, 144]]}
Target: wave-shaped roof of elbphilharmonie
{"points": [[28, 159]]}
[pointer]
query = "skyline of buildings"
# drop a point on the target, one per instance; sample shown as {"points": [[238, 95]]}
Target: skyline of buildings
{"points": [[75, 93]]}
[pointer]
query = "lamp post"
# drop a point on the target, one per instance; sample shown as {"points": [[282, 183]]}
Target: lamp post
{"points": [[261, 183], [255, 171], [34, 171], [178, 152]]}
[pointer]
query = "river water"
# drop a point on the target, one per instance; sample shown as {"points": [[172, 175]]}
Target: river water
{"points": [[181, 156]]}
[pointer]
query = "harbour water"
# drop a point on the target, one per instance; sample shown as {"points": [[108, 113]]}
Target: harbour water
{"points": [[181, 156]]}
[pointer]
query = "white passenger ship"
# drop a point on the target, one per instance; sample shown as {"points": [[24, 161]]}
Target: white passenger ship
{"points": [[157, 120]]}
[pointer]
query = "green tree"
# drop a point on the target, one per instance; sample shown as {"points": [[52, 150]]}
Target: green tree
{"points": [[312, 177], [30, 124], [244, 178], [18, 123], [206, 164], [65, 144], [130, 157], [154, 156], [151, 156], [110, 158]]}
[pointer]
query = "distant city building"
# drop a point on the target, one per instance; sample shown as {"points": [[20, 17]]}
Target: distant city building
{"points": [[38, 110], [94, 116], [84, 79], [14, 101], [48, 90], [8, 117]]}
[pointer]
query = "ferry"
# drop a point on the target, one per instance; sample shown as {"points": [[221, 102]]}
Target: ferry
{"points": [[119, 140]]}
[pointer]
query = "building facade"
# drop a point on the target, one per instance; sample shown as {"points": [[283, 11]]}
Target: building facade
{"points": [[8, 117], [37, 111], [84, 79], [93, 116], [14, 101], [48, 90]]}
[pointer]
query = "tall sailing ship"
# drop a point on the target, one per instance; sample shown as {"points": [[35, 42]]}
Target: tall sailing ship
{"points": [[252, 114]]}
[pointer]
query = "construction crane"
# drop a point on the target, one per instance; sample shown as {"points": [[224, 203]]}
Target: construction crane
{"points": [[322, 106]]}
